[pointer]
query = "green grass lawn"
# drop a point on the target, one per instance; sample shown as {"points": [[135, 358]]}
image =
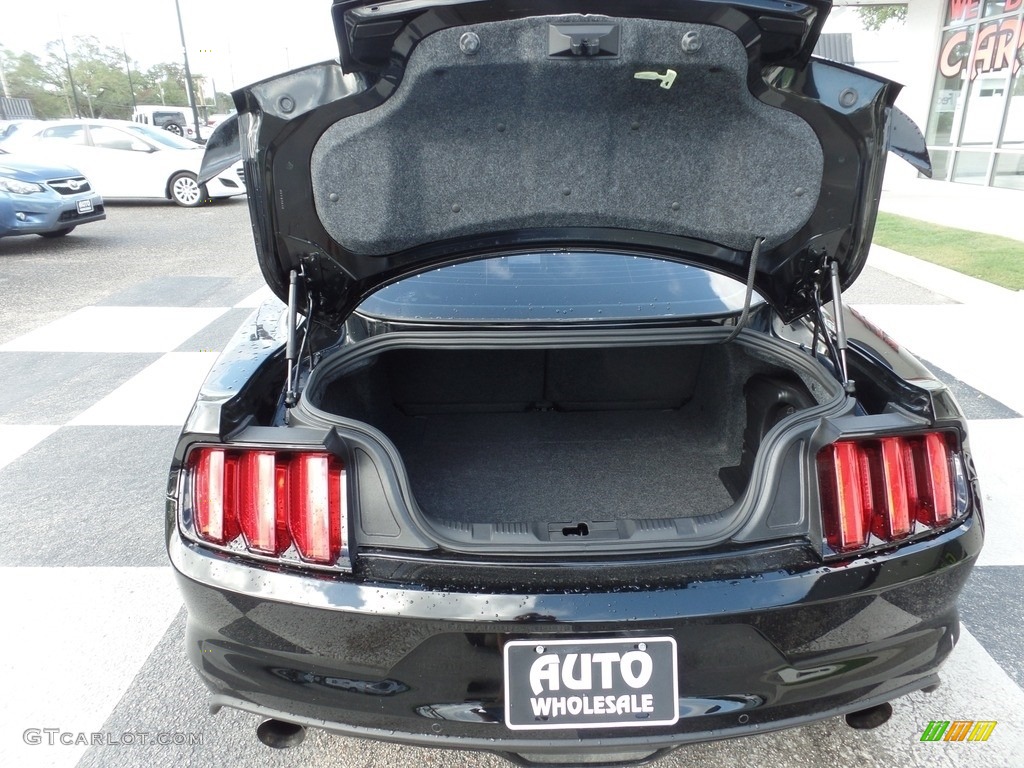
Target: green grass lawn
{"points": [[998, 260]]}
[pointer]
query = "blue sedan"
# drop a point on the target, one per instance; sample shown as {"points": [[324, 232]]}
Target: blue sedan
{"points": [[44, 199]]}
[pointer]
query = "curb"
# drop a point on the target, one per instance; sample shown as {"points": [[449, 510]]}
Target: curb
{"points": [[947, 282]]}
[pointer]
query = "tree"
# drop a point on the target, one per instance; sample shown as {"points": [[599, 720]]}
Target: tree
{"points": [[874, 17], [101, 78], [224, 103], [163, 84], [100, 75], [43, 81]]}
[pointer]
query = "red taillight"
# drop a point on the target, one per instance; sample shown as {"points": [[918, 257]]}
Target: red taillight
{"points": [[883, 488], [273, 499], [895, 468], [214, 485], [264, 529], [936, 506], [317, 488], [841, 474]]}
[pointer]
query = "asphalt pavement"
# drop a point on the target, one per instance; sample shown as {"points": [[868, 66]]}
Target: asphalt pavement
{"points": [[104, 338]]}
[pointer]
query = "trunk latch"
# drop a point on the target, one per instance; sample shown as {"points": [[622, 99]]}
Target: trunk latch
{"points": [[584, 40], [607, 530], [580, 529]]}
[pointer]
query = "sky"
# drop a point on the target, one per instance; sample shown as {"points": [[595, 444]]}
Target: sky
{"points": [[234, 42]]}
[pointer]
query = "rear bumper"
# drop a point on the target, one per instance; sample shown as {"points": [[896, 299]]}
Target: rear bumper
{"points": [[424, 666], [611, 747]]}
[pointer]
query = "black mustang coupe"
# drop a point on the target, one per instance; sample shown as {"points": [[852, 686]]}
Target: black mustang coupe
{"points": [[560, 443]]}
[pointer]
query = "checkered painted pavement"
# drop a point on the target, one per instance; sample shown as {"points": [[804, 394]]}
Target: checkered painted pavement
{"points": [[92, 404]]}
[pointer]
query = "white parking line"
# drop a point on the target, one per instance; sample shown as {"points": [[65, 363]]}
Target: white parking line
{"points": [[161, 394], [19, 439], [996, 448], [75, 639], [117, 329], [255, 298]]}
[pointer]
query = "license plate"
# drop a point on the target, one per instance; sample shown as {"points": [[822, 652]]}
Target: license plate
{"points": [[85, 206], [607, 683]]}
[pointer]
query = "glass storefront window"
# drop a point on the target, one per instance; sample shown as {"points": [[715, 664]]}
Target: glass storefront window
{"points": [[941, 159], [971, 167], [1013, 133], [998, 7], [966, 11], [1009, 171], [960, 11], [944, 119], [978, 101], [949, 96], [983, 112]]}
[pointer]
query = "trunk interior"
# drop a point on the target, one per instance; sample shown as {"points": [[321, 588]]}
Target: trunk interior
{"points": [[574, 439]]}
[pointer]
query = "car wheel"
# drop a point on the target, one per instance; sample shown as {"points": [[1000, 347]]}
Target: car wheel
{"points": [[56, 232], [186, 191], [175, 129]]}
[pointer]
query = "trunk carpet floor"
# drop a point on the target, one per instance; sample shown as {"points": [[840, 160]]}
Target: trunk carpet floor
{"points": [[563, 467]]}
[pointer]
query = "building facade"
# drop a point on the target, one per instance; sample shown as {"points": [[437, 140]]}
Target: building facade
{"points": [[975, 129], [962, 65]]}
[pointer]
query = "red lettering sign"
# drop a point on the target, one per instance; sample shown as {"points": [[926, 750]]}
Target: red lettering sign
{"points": [[995, 48], [952, 59], [1007, 42], [961, 10]]}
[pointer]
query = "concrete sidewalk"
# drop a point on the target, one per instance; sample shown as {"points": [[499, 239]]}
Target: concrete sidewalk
{"points": [[965, 206], [961, 288], [974, 338]]}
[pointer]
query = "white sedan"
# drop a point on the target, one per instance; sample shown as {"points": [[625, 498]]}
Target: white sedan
{"points": [[126, 159]]}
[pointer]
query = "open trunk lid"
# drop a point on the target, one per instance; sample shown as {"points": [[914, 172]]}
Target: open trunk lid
{"points": [[697, 131]]}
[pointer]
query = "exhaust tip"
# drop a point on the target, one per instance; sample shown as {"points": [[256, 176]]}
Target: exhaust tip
{"points": [[872, 717], [277, 734]]}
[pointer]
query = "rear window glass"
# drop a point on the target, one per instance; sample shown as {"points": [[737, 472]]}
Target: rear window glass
{"points": [[561, 287]]}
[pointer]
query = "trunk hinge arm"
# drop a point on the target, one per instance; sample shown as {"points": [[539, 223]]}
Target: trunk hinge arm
{"points": [[293, 349], [836, 341], [741, 323]]}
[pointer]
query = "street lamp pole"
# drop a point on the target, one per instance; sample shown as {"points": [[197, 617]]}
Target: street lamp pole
{"points": [[128, 69], [188, 72], [67, 63], [3, 78]]}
